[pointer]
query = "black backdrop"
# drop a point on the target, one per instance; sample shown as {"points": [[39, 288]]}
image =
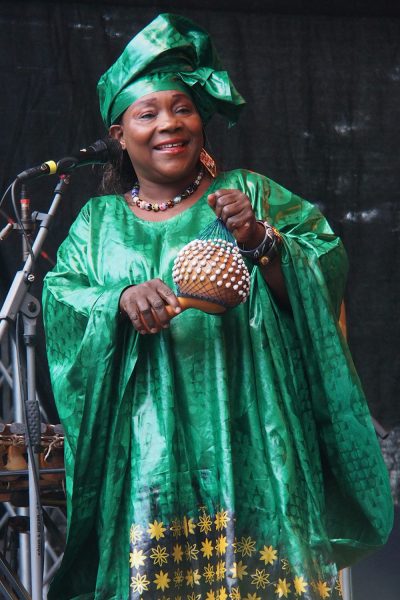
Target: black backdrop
{"points": [[322, 81]]}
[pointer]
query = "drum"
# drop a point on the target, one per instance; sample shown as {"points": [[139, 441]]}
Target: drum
{"points": [[14, 463]]}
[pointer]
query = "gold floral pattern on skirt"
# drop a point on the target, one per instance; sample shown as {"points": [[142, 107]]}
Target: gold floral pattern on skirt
{"points": [[199, 558]]}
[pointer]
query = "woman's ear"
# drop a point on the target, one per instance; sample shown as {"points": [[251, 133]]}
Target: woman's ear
{"points": [[117, 133]]}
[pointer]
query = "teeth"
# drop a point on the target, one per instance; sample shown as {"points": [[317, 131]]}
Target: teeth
{"points": [[170, 145]]}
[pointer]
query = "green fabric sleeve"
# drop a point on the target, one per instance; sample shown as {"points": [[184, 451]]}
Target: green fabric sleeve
{"points": [[82, 327]]}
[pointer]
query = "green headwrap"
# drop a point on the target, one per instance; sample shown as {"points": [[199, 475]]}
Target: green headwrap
{"points": [[171, 53]]}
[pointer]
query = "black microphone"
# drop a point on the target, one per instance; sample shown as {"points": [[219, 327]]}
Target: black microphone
{"points": [[47, 168], [97, 153]]}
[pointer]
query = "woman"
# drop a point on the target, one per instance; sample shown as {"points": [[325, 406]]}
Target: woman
{"points": [[207, 457]]}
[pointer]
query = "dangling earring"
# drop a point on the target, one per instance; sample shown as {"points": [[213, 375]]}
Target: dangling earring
{"points": [[208, 163]]}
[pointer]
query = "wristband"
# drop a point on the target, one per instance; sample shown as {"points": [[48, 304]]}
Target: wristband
{"points": [[268, 249]]}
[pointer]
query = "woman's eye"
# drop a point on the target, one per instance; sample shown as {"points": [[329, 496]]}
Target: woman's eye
{"points": [[147, 115], [183, 109]]}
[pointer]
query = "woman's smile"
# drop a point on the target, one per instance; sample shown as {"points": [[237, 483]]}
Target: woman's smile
{"points": [[172, 146]]}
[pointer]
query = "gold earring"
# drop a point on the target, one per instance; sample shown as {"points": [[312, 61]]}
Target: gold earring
{"points": [[208, 163]]}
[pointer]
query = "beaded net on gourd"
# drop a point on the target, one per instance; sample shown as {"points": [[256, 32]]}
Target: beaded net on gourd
{"points": [[211, 268]]}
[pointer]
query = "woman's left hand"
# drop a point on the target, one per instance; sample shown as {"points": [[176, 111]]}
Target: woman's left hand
{"points": [[233, 207]]}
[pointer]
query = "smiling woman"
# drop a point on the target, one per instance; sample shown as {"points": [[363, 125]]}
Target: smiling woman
{"points": [[163, 136], [207, 457]]}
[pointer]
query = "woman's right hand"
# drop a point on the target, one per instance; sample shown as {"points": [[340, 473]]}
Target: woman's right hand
{"points": [[145, 305]]}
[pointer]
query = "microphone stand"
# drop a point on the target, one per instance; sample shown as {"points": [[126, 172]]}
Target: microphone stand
{"points": [[19, 301]]}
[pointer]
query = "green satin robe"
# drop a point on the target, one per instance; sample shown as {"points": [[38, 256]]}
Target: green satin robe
{"points": [[228, 456]]}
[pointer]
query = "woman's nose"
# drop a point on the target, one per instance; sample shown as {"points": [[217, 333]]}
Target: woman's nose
{"points": [[169, 120]]}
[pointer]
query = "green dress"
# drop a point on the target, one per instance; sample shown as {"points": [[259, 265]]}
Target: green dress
{"points": [[228, 456]]}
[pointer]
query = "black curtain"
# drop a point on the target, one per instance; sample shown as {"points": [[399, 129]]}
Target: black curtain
{"points": [[323, 119]]}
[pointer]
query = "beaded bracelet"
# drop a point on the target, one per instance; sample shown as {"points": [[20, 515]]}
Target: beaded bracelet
{"points": [[268, 249]]}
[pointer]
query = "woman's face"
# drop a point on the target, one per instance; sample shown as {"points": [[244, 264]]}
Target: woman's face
{"points": [[163, 135]]}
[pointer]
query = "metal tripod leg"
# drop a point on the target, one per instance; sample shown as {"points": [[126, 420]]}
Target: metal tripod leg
{"points": [[10, 586], [347, 589]]}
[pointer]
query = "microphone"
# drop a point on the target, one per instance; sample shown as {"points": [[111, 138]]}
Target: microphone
{"points": [[99, 152], [26, 222], [47, 168]]}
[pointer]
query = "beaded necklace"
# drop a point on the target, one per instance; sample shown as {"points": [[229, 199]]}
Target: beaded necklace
{"points": [[171, 203]]}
